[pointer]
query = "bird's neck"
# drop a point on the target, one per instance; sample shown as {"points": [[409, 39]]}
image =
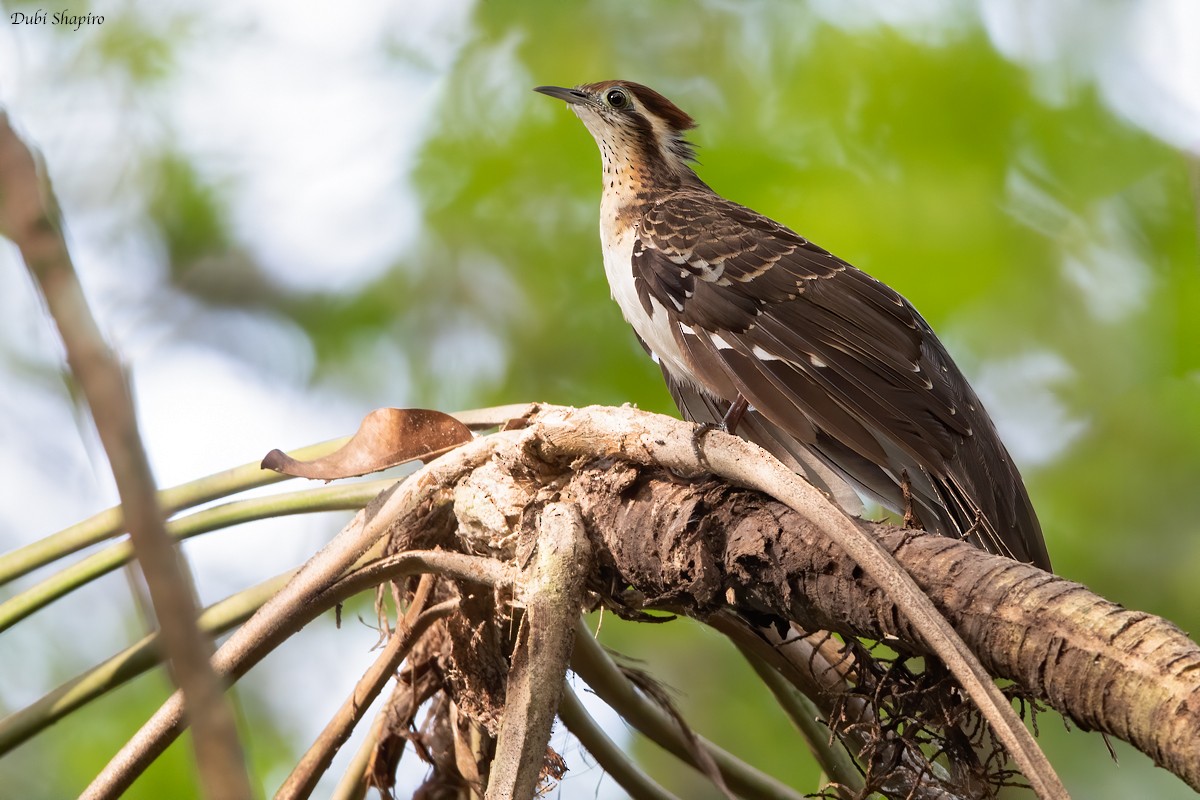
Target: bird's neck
{"points": [[633, 182]]}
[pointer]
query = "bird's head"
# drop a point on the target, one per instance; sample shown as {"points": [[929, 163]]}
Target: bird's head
{"points": [[634, 126]]}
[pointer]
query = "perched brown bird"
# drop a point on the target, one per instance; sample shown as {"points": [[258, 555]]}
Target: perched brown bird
{"points": [[760, 330]]}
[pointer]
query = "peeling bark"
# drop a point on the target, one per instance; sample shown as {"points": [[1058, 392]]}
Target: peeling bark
{"points": [[698, 545], [685, 545]]}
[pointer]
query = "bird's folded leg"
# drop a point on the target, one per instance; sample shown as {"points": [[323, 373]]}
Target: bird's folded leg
{"points": [[734, 415], [910, 516], [728, 424]]}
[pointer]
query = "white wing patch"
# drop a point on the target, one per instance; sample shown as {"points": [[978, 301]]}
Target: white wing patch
{"points": [[764, 355], [718, 342]]}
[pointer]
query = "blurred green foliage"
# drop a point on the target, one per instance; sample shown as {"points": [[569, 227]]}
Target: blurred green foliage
{"points": [[1051, 243]]}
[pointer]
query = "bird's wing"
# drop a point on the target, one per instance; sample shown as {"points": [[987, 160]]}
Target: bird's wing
{"points": [[700, 406], [835, 359]]}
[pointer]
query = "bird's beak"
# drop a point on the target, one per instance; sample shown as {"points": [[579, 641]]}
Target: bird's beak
{"points": [[571, 96]]}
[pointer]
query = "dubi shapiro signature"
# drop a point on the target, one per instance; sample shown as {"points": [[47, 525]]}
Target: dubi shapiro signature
{"points": [[40, 17]]}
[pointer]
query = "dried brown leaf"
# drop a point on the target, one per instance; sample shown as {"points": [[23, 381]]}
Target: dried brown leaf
{"points": [[386, 438]]}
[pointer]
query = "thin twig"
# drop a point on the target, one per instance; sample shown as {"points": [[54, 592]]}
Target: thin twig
{"points": [[342, 497], [457, 566], [312, 765], [29, 216], [611, 758], [353, 784], [594, 666], [271, 624], [22, 725], [479, 419], [107, 523], [829, 753]]}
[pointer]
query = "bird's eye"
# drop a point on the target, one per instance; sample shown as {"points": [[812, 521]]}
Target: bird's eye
{"points": [[616, 98]]}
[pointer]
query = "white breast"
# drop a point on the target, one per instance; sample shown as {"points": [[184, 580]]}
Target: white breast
{"points": [[654, 328]]}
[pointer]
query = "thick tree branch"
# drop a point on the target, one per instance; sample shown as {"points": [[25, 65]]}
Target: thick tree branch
{"points": [[638, 437], [700, 546], [1124, 672]]}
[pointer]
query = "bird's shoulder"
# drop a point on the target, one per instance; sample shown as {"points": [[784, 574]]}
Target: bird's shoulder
{"points": [[720, 265], [726, 243]]}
